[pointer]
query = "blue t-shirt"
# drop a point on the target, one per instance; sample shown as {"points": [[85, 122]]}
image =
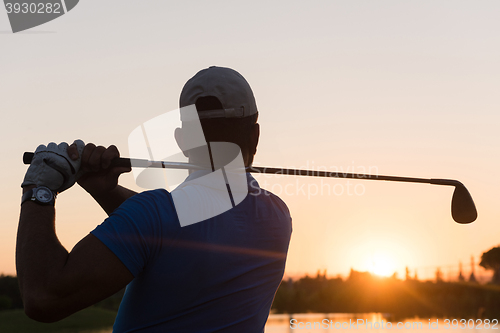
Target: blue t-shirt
{"points": [[219, 275]]}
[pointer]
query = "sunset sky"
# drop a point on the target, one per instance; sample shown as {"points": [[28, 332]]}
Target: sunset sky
{"points": [[405, 88]]}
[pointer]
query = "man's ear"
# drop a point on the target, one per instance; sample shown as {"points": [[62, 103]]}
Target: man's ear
{"points": [[180, 140], [254, 138]]}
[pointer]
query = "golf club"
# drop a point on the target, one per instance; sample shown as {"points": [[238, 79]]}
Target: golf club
{"points": [[463, 209]]}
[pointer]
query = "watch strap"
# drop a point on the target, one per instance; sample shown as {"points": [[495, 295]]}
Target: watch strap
{"points": [[27, 196], [30, 196]]}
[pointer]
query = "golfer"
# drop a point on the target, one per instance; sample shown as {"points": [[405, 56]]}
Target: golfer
{"points": [[218, 275]]}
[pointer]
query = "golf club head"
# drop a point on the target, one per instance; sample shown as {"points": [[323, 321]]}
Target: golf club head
{"points": [[463, 209]]}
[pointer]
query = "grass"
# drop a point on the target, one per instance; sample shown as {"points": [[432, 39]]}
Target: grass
{"points": [[15, 321]]}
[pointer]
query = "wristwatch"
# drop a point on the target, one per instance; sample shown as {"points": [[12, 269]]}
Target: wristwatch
{"points": [[42, 195]]}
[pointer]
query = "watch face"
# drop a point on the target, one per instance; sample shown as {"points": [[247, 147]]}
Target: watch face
{"points": [[43, 195]]}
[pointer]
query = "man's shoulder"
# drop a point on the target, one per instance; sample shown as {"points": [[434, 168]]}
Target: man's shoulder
{"points": [[275, 201], [274, 197], [265, 195]]}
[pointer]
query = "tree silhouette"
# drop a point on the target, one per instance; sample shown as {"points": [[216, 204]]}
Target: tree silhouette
{"points": [[460, 275], [439, 275], [472, 277], [491, 260]]}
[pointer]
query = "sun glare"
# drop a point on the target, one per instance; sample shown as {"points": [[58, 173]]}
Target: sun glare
{"points": [[382, 264]]}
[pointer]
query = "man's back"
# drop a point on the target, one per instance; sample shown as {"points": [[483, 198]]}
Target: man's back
{"points": [[219, 274]]}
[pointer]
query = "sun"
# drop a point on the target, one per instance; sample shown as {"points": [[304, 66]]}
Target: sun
{"points": [[382, 264]]}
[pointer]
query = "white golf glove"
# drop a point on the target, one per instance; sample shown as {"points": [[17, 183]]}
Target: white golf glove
{"points": [[52, 167]]}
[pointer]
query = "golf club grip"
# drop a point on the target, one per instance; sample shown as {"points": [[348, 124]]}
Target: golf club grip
{"points": [[117, 162], [27, 157]]}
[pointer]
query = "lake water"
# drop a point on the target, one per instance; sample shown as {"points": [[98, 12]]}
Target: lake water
{"points": [[359, 323]]}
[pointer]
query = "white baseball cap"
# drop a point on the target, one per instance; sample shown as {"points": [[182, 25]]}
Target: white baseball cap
{"points": [[227, 85]]}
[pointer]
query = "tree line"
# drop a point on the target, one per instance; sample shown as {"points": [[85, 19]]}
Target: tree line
{"points": [[362, 292]]}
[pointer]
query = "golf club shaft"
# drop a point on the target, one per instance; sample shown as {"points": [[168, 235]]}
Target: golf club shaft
{"points": [[141, 163]]}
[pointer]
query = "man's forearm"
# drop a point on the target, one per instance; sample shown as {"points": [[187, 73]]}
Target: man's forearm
{"points": [[110, 201], [40, 257]]}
